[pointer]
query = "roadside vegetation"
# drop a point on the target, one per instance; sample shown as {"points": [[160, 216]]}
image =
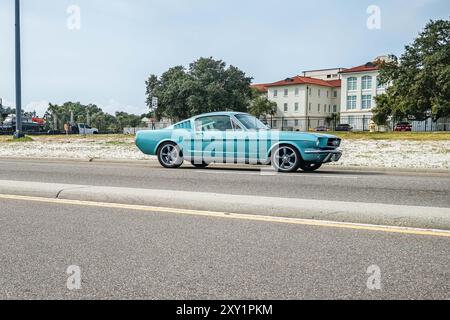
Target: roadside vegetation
{"points": [[122, 139], [9, 139], [400, 136]]}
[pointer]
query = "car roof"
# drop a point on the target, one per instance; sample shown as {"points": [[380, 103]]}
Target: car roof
{"points": [[225, 113]]}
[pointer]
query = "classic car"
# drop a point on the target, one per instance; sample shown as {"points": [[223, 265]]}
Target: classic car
{"points": [[233, 137], [403, 127], [344, 127]]}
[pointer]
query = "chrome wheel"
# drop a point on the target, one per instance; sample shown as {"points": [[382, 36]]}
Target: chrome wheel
{"points": [[169, 156], [286, 159]]}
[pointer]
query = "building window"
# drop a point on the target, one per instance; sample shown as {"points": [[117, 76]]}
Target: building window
{"points": [[351, 102], [352, 84], [310, 107], [318, 92], [335, 94], [286, 92], [366, 101], [379, 84], [286, 107], [275, 123], [328, 94], [296, 123], [329, 108], [275, 93], [366, 82], [335, 109], [310, 91], [318, 108], [296, 107], [297, 92], [285, 123]]}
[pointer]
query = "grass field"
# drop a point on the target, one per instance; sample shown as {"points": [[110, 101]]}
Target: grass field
{"points": [[108, 138], [408, 136]]}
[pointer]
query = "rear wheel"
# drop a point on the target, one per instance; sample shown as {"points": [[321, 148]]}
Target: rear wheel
{"points": [[286, 158], [170, 155], [310, 167]]}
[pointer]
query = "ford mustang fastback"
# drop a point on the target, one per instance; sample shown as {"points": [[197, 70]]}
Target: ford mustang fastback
{"points": [[232, 137]]}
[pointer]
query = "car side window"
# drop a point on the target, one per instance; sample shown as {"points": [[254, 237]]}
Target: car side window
{"points": [[236, 126], [213, 123]]}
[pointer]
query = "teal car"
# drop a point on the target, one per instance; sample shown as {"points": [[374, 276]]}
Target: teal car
{"points": [[233, 137]]}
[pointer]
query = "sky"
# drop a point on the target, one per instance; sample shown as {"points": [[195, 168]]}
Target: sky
{"points": [[119, 43]]}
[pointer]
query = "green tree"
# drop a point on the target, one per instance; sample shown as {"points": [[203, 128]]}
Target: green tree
{"points": [[420, 78], [125, 120], [207, 86], [98, 119], [4, 111], [105, 122], [261, 106]]}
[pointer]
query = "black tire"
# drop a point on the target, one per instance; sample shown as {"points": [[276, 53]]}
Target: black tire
{"points": [[286, 158], [170, 155], [310, 167], [202, 165]]}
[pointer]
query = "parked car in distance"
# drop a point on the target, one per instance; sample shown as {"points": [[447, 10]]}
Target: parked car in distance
{"points": [[344, 128], [403, 127], [232, 137], [82, 128], [322, 129]]}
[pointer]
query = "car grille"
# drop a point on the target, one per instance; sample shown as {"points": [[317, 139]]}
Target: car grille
{"points": [[334, 143]]}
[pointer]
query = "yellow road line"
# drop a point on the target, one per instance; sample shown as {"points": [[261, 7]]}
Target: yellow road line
{"points": [[235, 216]]}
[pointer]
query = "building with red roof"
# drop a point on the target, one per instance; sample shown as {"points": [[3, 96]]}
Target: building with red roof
{"points": [[305, 102], [360, 86], [310, 100]]}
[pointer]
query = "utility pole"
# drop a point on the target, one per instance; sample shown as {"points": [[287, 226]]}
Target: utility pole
{"points": [[18, 133]]}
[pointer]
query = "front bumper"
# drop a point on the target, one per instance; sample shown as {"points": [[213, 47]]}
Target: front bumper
{"points": [[323, 156]]}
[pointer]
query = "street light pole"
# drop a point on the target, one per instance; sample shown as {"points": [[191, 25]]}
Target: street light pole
{"points": [[18, 133]]}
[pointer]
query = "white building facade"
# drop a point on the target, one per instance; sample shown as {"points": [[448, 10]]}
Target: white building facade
{"points": [[306, 102], [360, 86]]}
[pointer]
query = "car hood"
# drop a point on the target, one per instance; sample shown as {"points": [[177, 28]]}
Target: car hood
{"points": [[301, 136]]}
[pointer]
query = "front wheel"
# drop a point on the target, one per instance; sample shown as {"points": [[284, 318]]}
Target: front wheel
{"points": [[310, 167], [170, 155], [286, 158]]}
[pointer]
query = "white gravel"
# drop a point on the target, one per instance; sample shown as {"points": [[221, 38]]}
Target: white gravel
{"points": [[396, 154], [360, 153]]}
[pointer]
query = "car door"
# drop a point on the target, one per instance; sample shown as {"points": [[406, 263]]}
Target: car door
{"points": [[235, 143], [210, 138]]}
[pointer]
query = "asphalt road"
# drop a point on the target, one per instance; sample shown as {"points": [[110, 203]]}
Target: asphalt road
{"points": [[128, 254], [417, 189]]}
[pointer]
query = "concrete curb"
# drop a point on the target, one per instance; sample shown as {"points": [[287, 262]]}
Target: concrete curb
{"points": [[350, 212]]}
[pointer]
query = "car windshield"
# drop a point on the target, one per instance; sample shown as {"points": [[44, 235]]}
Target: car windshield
{"points": [[251, 123]]}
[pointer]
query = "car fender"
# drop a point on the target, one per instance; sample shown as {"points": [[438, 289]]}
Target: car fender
{"points": [[291, 143]]}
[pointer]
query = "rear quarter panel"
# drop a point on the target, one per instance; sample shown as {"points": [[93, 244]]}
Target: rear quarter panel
{"points": [[149, 141]]}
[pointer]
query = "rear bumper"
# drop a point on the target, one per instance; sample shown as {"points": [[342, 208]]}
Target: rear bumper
{"points": [[323, 156]]}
